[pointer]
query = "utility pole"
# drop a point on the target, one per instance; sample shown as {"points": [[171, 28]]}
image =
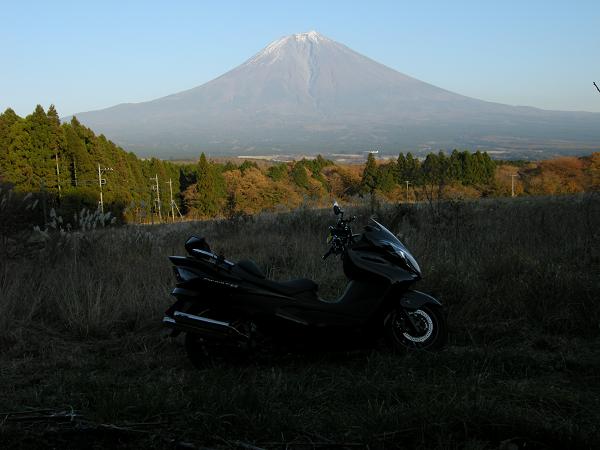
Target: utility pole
{"points": [[407, 183], [157, 199], [101, 182], [57, 175], [512, 177], [170, 183]]}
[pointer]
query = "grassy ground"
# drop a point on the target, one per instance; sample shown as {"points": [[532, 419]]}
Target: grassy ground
{"points": [[84, 362]]}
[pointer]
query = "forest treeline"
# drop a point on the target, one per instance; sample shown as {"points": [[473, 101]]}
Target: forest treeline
{"points": [[66, 165]]}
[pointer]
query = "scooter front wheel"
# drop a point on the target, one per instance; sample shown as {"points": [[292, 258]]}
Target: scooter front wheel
{"points": [[427, 329]]}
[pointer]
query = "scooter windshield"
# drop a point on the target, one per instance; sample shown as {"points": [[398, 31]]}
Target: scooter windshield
{"points": [[380, 236]]}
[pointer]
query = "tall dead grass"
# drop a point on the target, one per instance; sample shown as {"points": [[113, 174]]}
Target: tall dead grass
{"points": [[504, 267]]}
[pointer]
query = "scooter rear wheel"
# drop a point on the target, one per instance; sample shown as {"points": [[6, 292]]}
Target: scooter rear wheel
{"points": [[431, 329]]}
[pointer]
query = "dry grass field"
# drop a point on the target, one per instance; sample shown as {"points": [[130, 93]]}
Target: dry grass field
{"points": [[84, 362]]}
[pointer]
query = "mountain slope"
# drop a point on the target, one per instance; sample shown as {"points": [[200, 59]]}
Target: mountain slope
{"points": [[308, 93]]}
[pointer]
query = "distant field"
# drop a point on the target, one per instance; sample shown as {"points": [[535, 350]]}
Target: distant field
{"points": [[80, 336]]}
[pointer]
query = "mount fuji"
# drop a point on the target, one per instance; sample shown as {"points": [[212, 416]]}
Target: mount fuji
{"points": [[306, 93]]}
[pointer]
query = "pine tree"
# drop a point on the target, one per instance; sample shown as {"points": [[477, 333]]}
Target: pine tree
{"points": [[387, 176], [299, 175], [207, 197], [370, 176], [413, 169], [456, 168], [277, 172], [7, 120], [401, 168]]}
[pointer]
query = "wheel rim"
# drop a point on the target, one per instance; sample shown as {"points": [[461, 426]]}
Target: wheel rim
{"points": [[423, 322]]}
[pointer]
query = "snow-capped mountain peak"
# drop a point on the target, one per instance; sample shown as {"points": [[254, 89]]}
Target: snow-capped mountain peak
{"points": [[272, 52], [311, 36]]}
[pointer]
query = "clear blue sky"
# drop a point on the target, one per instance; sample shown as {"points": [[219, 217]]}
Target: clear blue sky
{"points": [[84, 55]]}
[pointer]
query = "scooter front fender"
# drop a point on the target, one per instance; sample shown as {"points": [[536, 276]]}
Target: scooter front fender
{"points": [[415, 299]]}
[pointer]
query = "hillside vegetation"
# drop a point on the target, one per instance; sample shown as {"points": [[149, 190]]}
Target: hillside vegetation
{"points": [[80, 333], [60, 164]]}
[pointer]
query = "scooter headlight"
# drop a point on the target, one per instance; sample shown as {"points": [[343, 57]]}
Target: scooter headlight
{"points": [[412, 262], [409, 259]]}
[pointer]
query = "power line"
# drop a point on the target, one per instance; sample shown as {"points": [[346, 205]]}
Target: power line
{"points": [[597, 88]]}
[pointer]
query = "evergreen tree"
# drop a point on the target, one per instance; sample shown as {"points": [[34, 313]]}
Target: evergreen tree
{"points": [[299, 175], [456, 168], [401, 168], [247, 164], [228, 166], [370, 176], [18, 168], [277, 172], [387, 176], [207, 197], [7, 120], [412, 172]]}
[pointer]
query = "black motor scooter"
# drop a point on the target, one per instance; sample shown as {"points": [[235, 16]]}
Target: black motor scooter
{"points": [[231, 306]]}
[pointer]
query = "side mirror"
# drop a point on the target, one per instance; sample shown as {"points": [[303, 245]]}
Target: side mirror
{"points": [[336, 209]]}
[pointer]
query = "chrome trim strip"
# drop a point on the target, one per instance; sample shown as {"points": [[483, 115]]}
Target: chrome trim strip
{"points": [[200, 318], [291, 318], [205, 253], [168, 320], [212, 255]]}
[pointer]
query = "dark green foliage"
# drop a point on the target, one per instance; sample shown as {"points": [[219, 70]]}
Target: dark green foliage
{"points": [[466, 168], [301, 169], [277, 172], [247, 164], [317, 164], [207, 197], [370, 175], [299, 175], [38, 154], [387, 174], [228, 166], [408, 169]]}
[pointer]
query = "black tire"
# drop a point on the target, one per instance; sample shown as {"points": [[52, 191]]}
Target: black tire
{"points": [[431, 321]]}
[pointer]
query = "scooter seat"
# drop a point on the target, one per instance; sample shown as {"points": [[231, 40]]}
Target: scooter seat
{"points": [[293, 287], [290, 287]]}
